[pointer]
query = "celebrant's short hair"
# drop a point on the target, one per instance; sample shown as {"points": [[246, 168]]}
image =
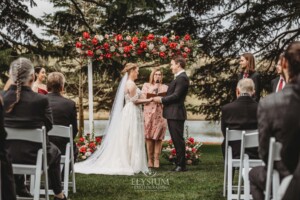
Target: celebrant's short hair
{"points": [[55, 82], [129, 67], [179, 59]]}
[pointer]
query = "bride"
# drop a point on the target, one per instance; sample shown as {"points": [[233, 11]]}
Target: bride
{"points": [[122, 151]]}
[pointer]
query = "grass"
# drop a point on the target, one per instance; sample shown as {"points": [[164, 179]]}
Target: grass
{"points": [[203, 181]]}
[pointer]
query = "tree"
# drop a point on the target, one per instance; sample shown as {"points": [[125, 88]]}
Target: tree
{"points": [[228, 28]]}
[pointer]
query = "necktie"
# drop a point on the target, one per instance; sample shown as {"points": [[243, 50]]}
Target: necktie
{"points": [[280, 85]]}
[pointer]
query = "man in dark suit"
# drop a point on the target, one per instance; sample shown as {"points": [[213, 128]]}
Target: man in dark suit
{"points": [[7, 178], [278, 116], [63, 110], [240, 115], [27, 109], [174, 110], [278, 83]]}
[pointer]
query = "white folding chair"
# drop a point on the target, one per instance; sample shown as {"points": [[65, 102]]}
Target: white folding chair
{"points": [[249, 140], [66, 132], [272, 174], [231, 135], [38, 136]]}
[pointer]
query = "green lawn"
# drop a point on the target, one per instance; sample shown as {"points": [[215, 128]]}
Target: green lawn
{"points": [[203, 181]]}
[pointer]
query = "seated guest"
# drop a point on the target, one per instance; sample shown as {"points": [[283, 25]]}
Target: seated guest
{"points": [[63, 110], [27, 109], [278, 116], [278, 83], [39, 86], [240, 115], [7, 179]]}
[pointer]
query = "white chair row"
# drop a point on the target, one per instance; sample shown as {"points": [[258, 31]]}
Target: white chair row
{"points": [[36, 171]]}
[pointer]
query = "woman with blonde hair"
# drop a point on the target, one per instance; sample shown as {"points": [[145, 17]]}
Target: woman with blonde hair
{"points": [[155, 124], [122, 151], [247, 63]]}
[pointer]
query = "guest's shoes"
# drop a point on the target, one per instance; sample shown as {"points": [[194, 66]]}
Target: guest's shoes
{"points": [[179, 169], [56, 198], [24, 193]]}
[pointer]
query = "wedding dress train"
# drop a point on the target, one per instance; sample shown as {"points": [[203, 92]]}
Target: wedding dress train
{"points": [[122, 151]]}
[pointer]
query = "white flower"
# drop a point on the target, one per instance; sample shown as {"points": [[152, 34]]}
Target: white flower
{"points": [[83, 157], [181, 43], [121, 49], [128, 37], [99, 37], [150, 46], [87, 154], [162, 48], [98, 52], [172, 32], [147, 54], [173, 37], [78, 50], [178, 47], [112, 48]]}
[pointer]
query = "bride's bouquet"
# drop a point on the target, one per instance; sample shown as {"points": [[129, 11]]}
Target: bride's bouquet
{"points": [[192, 149], [87, 145]]}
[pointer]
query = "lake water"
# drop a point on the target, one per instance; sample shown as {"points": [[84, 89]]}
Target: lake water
{"points": [[203, 131]]}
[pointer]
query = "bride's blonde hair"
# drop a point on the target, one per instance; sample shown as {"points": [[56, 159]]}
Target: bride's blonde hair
{"points": [[129, 67]]}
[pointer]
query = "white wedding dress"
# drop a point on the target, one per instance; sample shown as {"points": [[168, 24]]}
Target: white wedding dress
{"points": [[122, 151]]}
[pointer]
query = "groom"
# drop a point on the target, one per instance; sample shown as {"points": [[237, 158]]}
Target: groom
{"points": [[174, 109]]}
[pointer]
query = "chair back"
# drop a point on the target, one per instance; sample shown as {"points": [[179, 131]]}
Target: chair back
{"points": [[60, 131], [274, 155], [30, 135]]}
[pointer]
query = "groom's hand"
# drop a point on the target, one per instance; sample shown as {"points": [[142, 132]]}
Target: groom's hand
{"points": [[157, 99]]}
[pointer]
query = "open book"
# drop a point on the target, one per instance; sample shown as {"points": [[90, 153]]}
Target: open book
{"points": [[150, 95]]}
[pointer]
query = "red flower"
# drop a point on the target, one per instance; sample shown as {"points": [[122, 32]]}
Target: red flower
{"points": [[192, 140], [150, 37], [90, 53], [106, 46], [184, 55], [92, 145], [108, 55], [173, 45], [176, 37], [78, 45], [170, 142], [127, 49], [173, 152], [187, 155], [81, 139], [164, 40], [98, 140], [119, 37], [140, 51], [82, 149], [86, 35], [187, 37], [135, 39], [143, 45], [162, 54], [95, 41]]}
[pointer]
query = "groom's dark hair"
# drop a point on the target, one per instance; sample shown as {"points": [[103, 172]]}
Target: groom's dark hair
{"points": [[180, 59]]}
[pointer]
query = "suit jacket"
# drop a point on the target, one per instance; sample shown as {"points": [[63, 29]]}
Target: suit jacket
{"points": [[274, 83], [239, 115], [278, 116], [3, 133], [32, 111], [255, 76], [174, 100], [64, 113]]}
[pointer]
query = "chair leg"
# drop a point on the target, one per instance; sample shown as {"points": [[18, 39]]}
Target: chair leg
{"points": [[37, 185], [66, 177]]}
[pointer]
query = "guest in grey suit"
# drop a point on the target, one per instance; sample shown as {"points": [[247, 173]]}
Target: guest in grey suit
{"points": [[278, 116], [174, 110]]}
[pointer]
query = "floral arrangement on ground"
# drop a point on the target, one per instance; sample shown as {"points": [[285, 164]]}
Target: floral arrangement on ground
{"points": [[192, 149], [87, 145]]}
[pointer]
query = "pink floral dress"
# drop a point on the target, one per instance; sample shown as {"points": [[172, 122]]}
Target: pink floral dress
{"points": [[155, 124]]}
